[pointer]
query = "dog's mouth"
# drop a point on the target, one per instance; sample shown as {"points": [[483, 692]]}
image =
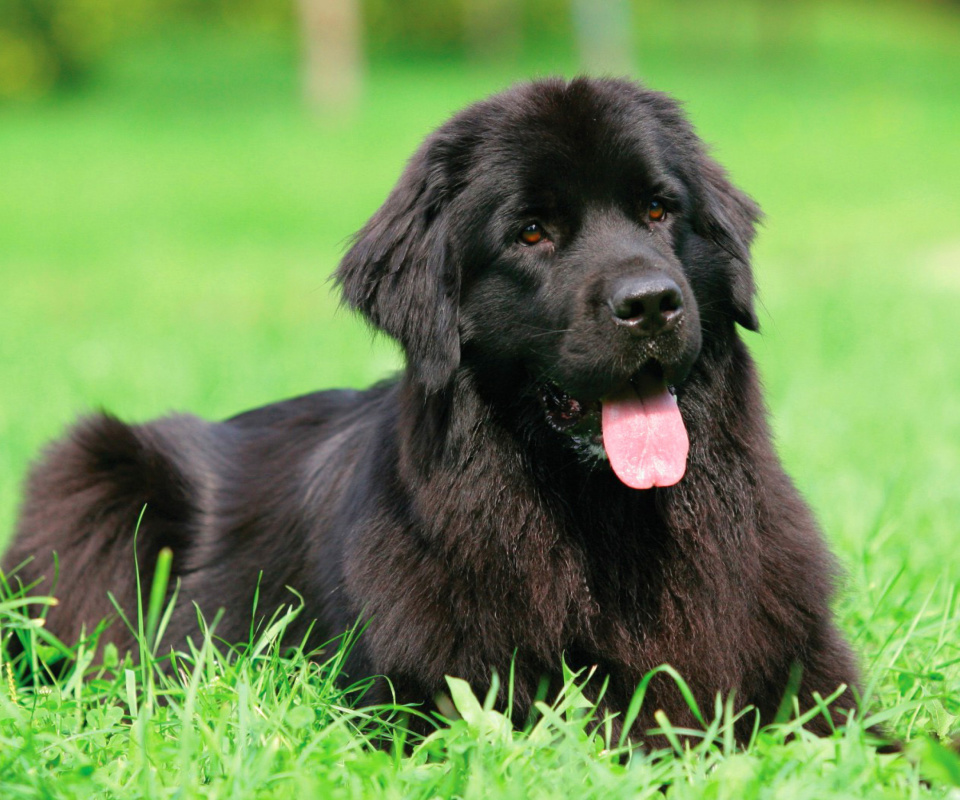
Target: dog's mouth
{"points": [[637, 427]]}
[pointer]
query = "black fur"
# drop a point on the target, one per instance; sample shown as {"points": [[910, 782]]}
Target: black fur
{"points": [[442, 507]]}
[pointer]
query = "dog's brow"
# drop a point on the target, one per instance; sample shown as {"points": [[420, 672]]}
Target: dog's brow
{"points": [[669, 189]]}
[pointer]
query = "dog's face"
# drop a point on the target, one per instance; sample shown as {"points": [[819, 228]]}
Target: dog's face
{"points": [[570, 244]]}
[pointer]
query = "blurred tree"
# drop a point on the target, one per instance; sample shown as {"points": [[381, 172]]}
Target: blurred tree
{"points": [[46, 43], [49, 42], [333, 57]]}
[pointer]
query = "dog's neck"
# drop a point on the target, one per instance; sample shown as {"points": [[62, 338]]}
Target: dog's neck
{"points": [[574, 542], [462, 437]]}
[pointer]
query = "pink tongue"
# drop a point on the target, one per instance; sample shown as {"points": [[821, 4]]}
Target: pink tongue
{"points": [[644, 436]]}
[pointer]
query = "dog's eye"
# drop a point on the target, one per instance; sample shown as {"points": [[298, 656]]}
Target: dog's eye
{"points": [[532, 234], [656, 211]]}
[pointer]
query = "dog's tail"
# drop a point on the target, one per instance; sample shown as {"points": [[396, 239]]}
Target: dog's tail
{"points": [[89, 499]]}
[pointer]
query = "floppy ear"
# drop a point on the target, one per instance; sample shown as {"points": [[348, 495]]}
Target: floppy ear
{"points": [[728, 218], [398, 272]]}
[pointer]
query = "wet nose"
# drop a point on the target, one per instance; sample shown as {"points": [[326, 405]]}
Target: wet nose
{"points": [[648, 304]]}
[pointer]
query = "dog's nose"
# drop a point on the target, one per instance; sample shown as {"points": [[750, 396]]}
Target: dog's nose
{"points": [[648, 304]]}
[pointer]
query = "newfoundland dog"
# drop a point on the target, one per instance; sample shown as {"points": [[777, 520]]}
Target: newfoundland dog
{"points": [[574, 465]]}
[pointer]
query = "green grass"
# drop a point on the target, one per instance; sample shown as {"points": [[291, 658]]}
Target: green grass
{"points": [[165, 241]]}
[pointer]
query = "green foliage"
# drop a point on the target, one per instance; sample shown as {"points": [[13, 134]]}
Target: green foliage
{"points": [[50, 43], [424, 24], [45, 42], [443, 26], [250, 13]]}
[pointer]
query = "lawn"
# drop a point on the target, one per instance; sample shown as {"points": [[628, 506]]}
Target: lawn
{"points": [[166, 235]]}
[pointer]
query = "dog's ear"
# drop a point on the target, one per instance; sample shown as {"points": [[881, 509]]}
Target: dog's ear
{"points": [[728, 218], [399, 274]]}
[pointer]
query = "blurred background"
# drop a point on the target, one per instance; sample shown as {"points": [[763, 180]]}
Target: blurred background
{"points": [[179, 177]]}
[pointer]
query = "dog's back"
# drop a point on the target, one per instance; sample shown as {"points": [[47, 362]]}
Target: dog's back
{"points": [[165, 484]]}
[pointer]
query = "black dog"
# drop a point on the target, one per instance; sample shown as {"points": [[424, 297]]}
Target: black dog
{"points": [[574, 465]]}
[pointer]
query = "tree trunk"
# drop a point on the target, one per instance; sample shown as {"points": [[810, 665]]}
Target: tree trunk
{"points": [[604, 33], [332, 53]]}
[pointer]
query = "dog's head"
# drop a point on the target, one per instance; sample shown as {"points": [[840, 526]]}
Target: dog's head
{"points": [[568, 241]]}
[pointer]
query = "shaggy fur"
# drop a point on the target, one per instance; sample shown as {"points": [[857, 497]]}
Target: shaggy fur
{"points": [[444, 508]]}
